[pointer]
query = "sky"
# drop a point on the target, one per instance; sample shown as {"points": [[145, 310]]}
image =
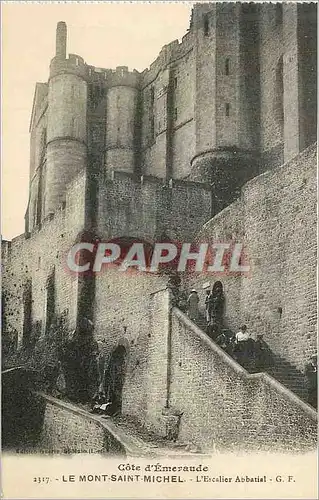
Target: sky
{"points": [[104, 34]]}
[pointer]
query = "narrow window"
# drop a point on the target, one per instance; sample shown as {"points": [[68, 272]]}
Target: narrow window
{"points": [[43, 144], [152, 128], [35, 211], [39, 205], [44, 202], [90, 91], [175, 82], [278, 102], [227, 66], [227, 109], [278, 14], [175, 114], [27, 313], [50, 301], [73, 127], [152, 117], [152, 95], [206, 25]]}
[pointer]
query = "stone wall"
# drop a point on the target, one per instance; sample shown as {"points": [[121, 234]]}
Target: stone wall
{"points": [[225, 408], [271, 49], [225, 227], [279, 300], [222, 407], [148, 208], [275, 219], [68, 429], [34, 421], [184, 109], [32, 259], [122, 317], [158, 360], [180, 58]]}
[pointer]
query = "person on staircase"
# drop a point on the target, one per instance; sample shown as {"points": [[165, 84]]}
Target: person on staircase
{"points": [[208, 310], [262, 354], [311, 372], [243, 346], [226, 341], [192, 306], [217, 301]]}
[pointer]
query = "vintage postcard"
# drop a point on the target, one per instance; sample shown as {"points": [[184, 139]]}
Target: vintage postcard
{"points": [[159, 228]]}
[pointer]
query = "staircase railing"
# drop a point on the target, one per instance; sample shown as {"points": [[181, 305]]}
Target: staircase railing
{"points": [[262, 376]]}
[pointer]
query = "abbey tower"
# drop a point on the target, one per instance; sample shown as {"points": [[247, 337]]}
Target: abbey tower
{"points": [[218, 91], [215, 140]]}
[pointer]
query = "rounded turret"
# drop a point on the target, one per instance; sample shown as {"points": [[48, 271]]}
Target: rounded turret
{"points": [[122, 103], [66, 127], [73, 65], [226, 143]]}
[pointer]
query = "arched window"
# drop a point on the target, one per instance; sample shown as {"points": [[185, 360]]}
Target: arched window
{"points": [[217, 288]]}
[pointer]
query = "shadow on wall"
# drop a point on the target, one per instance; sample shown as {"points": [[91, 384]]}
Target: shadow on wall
{"points": [[22, 412], [36, 422]]}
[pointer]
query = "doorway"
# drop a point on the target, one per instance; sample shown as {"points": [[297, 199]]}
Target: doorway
{"points": [[114, 380]]}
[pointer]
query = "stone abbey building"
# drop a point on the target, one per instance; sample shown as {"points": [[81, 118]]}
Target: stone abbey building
{"points": [[214, 142]]}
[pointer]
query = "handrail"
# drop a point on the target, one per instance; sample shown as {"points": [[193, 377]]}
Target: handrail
{"points": [[287, 393], [7, 370], [131, 449]]}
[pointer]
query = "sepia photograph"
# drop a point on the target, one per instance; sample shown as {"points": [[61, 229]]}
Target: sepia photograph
{"points": [[159, 257]]}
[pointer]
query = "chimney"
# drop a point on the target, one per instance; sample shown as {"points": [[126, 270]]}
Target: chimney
{"points": [[61, 35]]}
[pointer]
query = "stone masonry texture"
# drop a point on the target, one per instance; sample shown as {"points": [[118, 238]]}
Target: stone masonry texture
{"points": [[112, 155]]}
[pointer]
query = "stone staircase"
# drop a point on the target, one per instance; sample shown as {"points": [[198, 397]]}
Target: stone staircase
{"points": [[289, 376], [257, 411], [279, 368]]}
